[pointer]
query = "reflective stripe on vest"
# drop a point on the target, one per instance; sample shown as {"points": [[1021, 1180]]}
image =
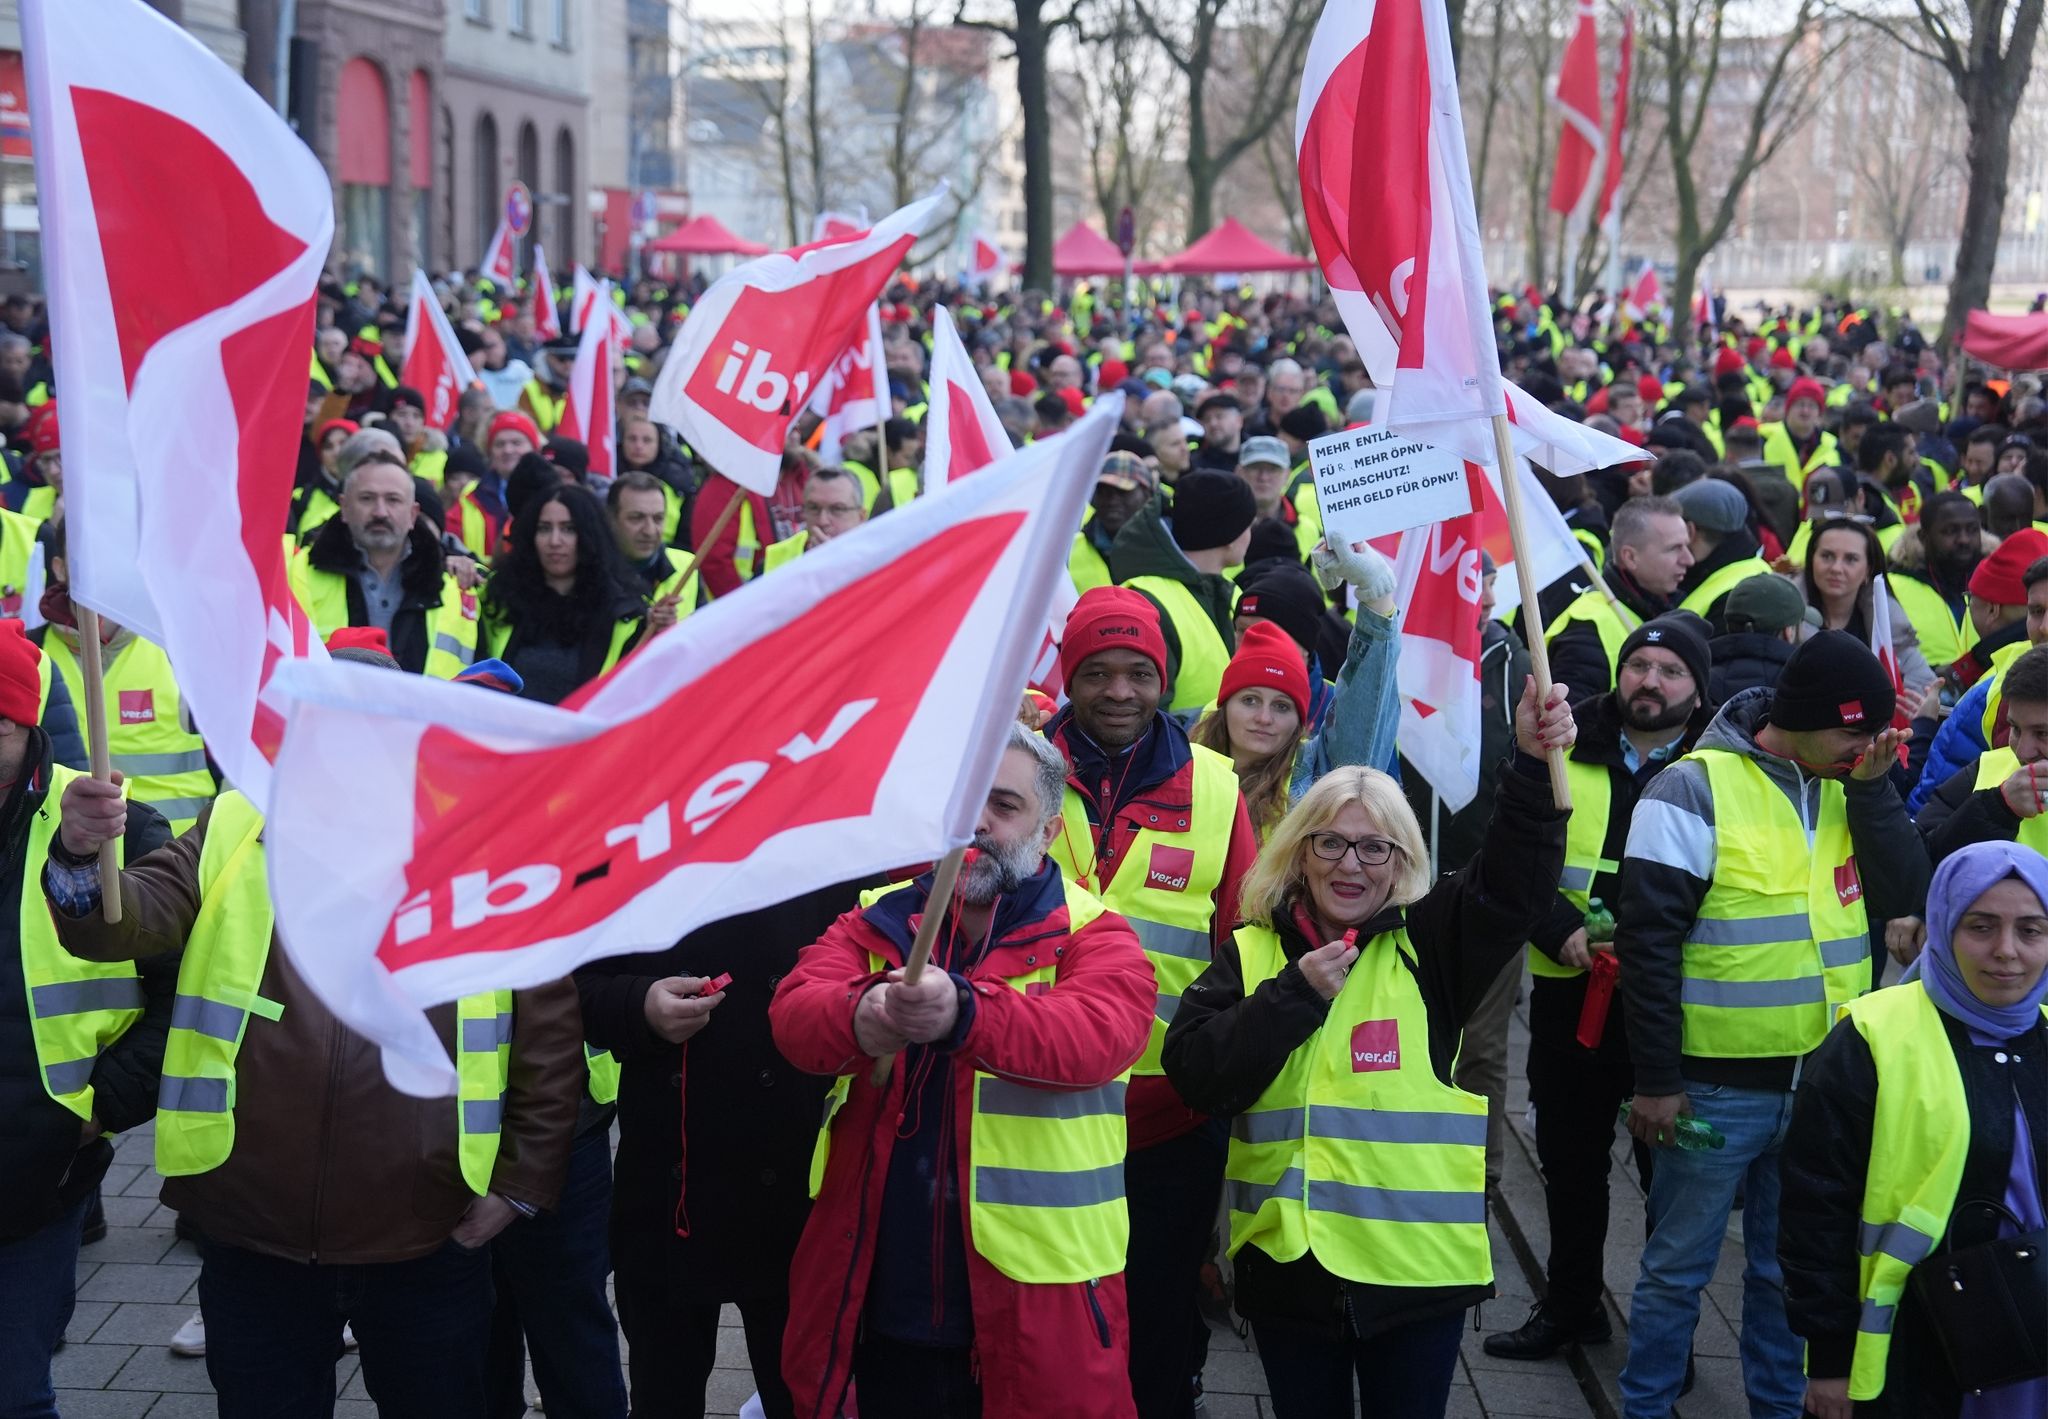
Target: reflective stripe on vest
{"points": [[1585, 840], [1919, 1142], [163, 759], [1781, 939], [1204, 654], [1721, 582], [220, 978], [1045, 1200], [1357, 1152], [1592, 609], [748, 548], [1165, 885], [76, 1008]]}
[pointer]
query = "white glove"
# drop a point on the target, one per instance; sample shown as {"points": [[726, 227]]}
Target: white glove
{"points": [[1361, 565]]}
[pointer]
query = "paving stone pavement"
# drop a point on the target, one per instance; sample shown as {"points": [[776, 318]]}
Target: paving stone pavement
{"points": [[139, 1284]]}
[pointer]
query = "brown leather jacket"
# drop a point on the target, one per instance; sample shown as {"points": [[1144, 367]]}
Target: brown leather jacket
{"points": [[330, 1162]]}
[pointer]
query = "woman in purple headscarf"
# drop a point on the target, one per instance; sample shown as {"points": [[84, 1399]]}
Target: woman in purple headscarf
{"points": [[1927, 1104]]}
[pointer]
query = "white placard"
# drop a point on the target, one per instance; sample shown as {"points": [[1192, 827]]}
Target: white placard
{"points": [[1370, 482]]}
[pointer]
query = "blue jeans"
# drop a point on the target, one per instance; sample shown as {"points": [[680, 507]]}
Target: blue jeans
{"points": [[273, 1332], [1691, 1196], [1406, 1372], [551, 1271], [38, 1276]]}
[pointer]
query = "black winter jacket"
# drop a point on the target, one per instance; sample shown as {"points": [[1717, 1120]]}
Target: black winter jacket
{"points": [[1224, 1048], [1577, 659], [422, 577], [1503, 665], [1823, 1170], [43, 1170], [1959, 813], [1744, 660]]}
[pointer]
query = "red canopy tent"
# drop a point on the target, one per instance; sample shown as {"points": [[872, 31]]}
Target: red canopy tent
{"points": [[1083, 251], [1234, 248], [706, 236], [2007, 342]]}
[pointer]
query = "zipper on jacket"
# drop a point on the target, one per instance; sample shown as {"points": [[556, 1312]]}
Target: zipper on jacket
{"points": [[867, 1173], [1095, 1309]]}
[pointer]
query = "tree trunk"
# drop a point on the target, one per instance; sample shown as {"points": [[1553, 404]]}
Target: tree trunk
{"points": [[1032, 44], [1897, 252], [1989, 151], [1201, 172]]}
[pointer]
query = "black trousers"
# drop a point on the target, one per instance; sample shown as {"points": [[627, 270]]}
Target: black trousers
{"points": [[893, 1379], [1577, 1093], [1173, 1189], [674, 1345]]}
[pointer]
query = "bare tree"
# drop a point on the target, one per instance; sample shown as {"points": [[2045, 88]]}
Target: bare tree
{"points": [[1986, 47], [1268, 50], [744, 78], [1771, 86], [1896, 163], [1127, 138], [1537, 25], [1031, 26], [1489, 89]]}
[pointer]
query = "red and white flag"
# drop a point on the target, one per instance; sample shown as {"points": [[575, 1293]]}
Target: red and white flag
{"points": [[1438, 575], [854, 395], [839, 226], [583, 290], [547, 319], [183, 349], [1613, 156], [1703, 303], [501, 257], [401, 880], [1645, 294], [985, 261], [1580, 141], [1887, 652], [588, 415], [962, 432], [757, 345], [435, 364]]}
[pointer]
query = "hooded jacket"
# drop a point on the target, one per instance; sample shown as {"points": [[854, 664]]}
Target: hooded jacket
{"points": [[1144, 546], [1669, 864], [1738, 546]]}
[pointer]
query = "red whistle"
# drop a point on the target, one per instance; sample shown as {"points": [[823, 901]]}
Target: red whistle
{"points": [[715, 985], [969, 856], [1351, 938]]}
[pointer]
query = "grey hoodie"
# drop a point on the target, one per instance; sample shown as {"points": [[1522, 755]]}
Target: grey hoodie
{"points": [[1669, 864]]}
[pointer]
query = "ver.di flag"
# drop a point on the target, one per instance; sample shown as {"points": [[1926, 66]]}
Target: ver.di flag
{"points": [[755, 348], [854, 395], [547, 320], [404, 879], [185, 229], [962, 432], [435, 363], [587, 412], [1579, 139]]}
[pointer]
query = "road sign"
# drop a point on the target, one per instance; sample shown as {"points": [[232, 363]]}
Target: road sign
{"points": [[518, 209], [1126, 232], [643, 207]]}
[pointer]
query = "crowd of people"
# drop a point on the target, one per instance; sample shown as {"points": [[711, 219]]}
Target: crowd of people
{"points": [[1219, 1006]]}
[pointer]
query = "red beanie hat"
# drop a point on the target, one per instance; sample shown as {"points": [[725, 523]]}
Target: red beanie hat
{"points": [[1111, 618], [1805, 388], [1075, 400], [328, 425], [1268, 657], [1999, 578], [1781, 359], [1727, 361], [1650, 390], [512, 421], [43, 434], [1111, 374], [1753, 346], [360, 638], [21, 687]]}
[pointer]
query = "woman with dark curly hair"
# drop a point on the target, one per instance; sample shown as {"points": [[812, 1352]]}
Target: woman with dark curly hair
{"points": [[560, 607]]}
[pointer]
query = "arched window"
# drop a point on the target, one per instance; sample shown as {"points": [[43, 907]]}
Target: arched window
{"points": [[363, 161], [490, 183], [565, 183], [529, 173], [419, 119]]}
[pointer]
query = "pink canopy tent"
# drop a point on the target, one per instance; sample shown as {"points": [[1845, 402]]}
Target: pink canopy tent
{"points": [[1234, 248], [706, 236], [1083, 251], [2007, 342]]}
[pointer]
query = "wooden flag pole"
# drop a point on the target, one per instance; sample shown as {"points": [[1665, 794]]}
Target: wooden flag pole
{"points": [[95, 711], [1628, 617], [1525, 574], [718, 526], [935, 907]]}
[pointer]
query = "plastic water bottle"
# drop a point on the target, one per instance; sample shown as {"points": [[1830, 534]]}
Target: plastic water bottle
{"points": [[1695, 1135], [1599, 922]]}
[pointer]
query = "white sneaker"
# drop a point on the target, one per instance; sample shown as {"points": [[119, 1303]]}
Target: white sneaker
{"points": [[348, 1340], [190, 1341]]}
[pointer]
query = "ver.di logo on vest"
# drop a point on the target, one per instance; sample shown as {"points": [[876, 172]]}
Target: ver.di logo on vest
{"points": [[1375, 1045], [138, 706], [1170, 868], [1848, 883]]}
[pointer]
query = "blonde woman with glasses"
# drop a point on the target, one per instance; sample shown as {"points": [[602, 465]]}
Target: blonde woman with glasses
{"points": [[1327, 1027]]}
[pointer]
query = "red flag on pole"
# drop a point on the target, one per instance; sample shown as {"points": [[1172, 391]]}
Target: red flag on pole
{"points": [[1613, 157], [582, 290], [182, 357], [435, 364], [1579, 142], [587, 413], [915, 631], [1645, 295], [984, 258], [547, 320], [962, 432]]}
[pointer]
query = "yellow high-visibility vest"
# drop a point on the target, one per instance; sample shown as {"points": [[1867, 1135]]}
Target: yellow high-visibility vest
{"points": [[157, 751]]}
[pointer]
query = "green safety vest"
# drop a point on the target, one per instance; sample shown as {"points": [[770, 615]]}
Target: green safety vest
{"points": [[1585, 846], [1045, 1167], [604, 1074], [476, 527], [76, 1008], [1994, 767], [1994, 696], [1168, 900], [17, 549], [1357, 1153], [40, 505], [1088, 568], [314, 506], [747, 550], [903, 487], [1593, 609], [1204, 654], [161, 756], [781, 554], [1780, 941], [432, 465], [1721, 582], [219, 983], [870, 484], [543, 405], [1944, 636], [1779, 449], [451, 629], [1919, 1144], [686, 602]]}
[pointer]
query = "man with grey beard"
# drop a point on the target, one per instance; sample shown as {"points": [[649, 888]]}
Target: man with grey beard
{"points": [[964, 1256]]}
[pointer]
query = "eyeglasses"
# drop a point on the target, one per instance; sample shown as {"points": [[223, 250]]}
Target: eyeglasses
{"points": [[1652, 670], [830, 509], [1372, 852]]}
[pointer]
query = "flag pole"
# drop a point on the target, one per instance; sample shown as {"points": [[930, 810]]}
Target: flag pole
{"points": [[943, 877], [1525, 574], [95, 711], [1627, 616], [718, 526]]}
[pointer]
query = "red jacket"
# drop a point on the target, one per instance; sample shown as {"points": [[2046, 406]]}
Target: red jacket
{"points": [[1038, 1347], [716, 567]]}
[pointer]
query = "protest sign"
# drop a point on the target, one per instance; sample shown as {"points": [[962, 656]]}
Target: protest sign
{"points": [[1372, 481]]}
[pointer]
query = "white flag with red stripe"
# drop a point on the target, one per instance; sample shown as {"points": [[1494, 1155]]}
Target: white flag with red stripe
{"points": [[1438, 577], [1645, 294], [1613, 157], [402, 881], [435, 364], [755, 348], [985, 261], [961, 430], [181, 350], [1887, 651], [547, 319], [854, 394], [588, 415], [1579, 140], [582, 291], [501, 257]]}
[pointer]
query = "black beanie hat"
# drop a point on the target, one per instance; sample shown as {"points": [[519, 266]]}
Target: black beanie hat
{"points": [[1287, 595], [1272, 540], [1211, 509], [1684, 635], [1833, 681]]}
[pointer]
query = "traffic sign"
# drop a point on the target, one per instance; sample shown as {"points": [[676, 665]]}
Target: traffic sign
{"points": [[1126, 232], [518, 209]]}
